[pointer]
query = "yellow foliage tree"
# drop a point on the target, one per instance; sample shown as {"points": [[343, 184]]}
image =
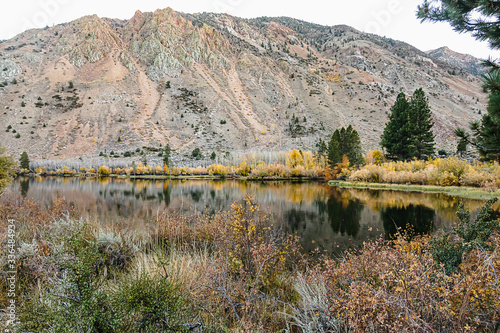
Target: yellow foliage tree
{"points": [[294, 158], [309, 160]]}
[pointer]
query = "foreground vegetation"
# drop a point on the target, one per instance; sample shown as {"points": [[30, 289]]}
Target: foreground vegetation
{"points": [[238, 271]]}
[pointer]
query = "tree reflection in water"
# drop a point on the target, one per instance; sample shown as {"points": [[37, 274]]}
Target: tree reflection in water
{"points": [[344, 214], [415, 219], [324, 217], [24, 186]]}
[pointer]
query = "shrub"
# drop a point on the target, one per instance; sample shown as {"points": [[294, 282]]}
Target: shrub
{"points": [[449, 248], [158, 170], [196, 153], [298, 171], [244, 169], [103, 171], [217, 170]]}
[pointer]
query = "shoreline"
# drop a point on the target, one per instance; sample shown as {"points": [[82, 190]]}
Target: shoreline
{"points": [[185, 177], [455, 191]]}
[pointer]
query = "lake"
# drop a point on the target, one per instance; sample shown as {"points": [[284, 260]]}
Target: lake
{"points": [[326, 218]]}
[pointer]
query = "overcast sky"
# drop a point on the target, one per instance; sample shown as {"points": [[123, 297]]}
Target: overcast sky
{"points": [[390, 18]]}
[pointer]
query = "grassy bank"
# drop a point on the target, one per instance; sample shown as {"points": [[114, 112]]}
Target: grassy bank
{"points": [[237, 271], [456, 191]]}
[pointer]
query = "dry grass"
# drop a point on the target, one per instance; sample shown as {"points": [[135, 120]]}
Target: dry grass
{"points": [[441, 172]]}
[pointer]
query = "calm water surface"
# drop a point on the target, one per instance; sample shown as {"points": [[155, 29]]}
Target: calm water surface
{"points": [[327, 218]]}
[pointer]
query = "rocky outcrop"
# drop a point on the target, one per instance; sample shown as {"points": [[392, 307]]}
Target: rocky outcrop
{"points": [[463, 62]]}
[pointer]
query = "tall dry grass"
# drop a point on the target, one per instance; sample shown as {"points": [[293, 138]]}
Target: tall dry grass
{"points": [[442, 172]]}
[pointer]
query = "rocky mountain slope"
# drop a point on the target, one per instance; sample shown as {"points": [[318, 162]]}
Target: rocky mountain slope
{"points": [[216, 82], [458, 62]]}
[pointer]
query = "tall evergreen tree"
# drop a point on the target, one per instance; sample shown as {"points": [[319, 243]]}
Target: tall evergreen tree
{"points": [[24, 161], [461, 147], [322, 149], [353, 146], [395, 138], [166, 155], [421, 137], [481, 18], [486, 133], [408, 134], [334, 149]]}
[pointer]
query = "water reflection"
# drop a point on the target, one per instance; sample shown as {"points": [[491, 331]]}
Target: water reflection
{"points": [[417, 219], [24, 186], [344, 214], [326, 218]]}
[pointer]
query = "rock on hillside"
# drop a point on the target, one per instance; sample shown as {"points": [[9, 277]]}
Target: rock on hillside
{"points": [[216, 82]]}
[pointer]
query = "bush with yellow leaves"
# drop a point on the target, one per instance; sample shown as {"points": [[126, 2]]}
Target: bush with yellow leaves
{"points": [[103, 171], [442, 171]]}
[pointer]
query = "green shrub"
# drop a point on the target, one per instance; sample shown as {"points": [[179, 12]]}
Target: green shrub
{"points": [[448, 252], [150, 304], [449, 248], [197, 154]]}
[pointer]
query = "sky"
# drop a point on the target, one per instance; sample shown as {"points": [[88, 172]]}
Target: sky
{"points": [[391, 18]]}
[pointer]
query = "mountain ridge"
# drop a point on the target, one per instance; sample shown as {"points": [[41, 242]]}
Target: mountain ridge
{"points": [[216, 82]]}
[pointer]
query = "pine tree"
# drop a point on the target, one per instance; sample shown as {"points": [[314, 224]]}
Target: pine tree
{"points": [[166, 155], [395, 138], [486, 134], [421, 137], [481, 18], [24, 161], [334, 149], [461, 147], [353, 146], [483, 25], [322, 147]]}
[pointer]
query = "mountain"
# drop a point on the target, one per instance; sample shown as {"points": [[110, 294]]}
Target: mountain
{"points": [[463, 62], [216, 82]]}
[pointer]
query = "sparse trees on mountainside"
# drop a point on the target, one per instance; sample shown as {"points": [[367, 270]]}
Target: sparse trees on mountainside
{"points": [[481, 18], [408, 134]]}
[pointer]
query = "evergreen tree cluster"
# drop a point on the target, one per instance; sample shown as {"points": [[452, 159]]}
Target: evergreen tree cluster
{"points": [[408, 134], [343, 142]]}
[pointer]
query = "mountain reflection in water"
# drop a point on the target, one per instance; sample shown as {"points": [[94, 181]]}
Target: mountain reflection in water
{"points": [[326, 218]]}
